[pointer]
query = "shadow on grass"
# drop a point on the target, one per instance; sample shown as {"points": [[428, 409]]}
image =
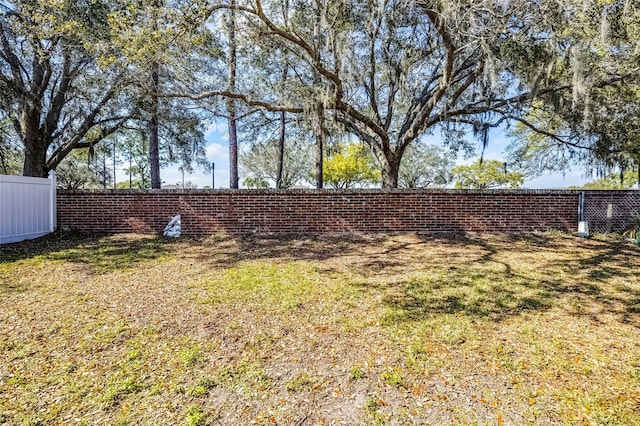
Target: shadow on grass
{"points": [[381, 250], [586, 281], [483, 277], [490, 296], [101, 253]]}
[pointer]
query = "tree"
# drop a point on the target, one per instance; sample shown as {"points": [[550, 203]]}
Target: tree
{"points": [[159, 45], [11, 158], [423, 166], [485, 175], [256, 183], [136, 157], [625, 180], [596, 124], [350, 165], [259, 164], [77, 171], [57, 86], [231, 103], [390, 71]]}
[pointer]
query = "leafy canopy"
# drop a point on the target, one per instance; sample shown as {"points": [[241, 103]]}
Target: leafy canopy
{"points": [[486, 175], [350, 165]]}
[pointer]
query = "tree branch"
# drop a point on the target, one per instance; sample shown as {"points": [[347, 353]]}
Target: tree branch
{"points": [[88, 123], [12, 59], [239, 96]]}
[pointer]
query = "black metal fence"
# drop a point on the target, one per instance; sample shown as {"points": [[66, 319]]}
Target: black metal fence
{"points": [[611, 211]]}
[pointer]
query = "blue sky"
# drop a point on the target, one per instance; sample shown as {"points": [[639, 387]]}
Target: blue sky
{"points": [[218, 153]]}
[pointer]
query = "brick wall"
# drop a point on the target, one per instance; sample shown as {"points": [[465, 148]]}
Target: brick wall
{"points": [[309, 211]]}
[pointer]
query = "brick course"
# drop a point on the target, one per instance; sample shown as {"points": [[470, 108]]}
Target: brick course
{"points": [[241, 212]]}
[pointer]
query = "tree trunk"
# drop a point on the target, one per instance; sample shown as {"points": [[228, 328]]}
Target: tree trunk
{"points": [[34, 161], [318, 106], [390, 169], [154, 149], [35, 147], [281, 140], [318, 132], [231, 104], [233, 145]]}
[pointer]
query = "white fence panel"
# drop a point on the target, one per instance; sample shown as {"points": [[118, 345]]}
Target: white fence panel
{"points": [[27, 207]]}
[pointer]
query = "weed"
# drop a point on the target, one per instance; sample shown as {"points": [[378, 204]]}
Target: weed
{"points": [[356, 373], [372, 406], [197, 391], [191, 356], [117, 390], [134, 355], [372, 403], [392, 377], [299, 382], [195, 416], [206, 382], [454, 330], [415, 354]]}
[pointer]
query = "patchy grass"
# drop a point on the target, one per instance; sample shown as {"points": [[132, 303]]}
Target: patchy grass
{"points": [[128, 329]]}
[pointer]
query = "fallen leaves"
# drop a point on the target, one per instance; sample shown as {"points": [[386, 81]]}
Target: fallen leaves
{"points": [[437, 334]]}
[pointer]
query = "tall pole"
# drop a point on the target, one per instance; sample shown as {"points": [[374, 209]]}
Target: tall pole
{"points": [[115, 143], [213, 175]]}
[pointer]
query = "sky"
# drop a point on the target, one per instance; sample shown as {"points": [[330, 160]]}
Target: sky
{"points": [[218, 152]]}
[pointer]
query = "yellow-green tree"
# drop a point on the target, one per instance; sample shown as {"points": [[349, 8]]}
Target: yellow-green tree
{"points": [[624, 180], [349, 165], [486, 175]]}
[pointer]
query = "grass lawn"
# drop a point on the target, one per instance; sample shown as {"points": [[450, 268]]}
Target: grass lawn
{"points": [[352, 330]]}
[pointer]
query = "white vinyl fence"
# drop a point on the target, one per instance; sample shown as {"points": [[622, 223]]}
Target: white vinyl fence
{"points": [[27, 207]]}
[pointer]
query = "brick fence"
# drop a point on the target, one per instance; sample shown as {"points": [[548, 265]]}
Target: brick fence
{"points": [[206, 212]]}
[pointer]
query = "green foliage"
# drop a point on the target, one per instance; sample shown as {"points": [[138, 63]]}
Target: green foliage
{"points": [[392, 377], [348, 166], [594, 121], [191, 356], [356, 373], [485, 175], [195, 416], [299, 382], [11, 157], [117, 390], [259, 163], [134, 184], [134, 149], [197, 391], [55, 91], [423, 166], [79, 170], [255, 183], [624, 180]]}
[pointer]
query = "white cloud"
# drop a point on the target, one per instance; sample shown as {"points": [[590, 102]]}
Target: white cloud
{"points": [[215, 127], [217, 152]]}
